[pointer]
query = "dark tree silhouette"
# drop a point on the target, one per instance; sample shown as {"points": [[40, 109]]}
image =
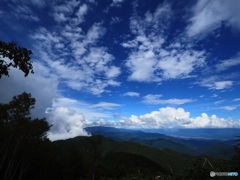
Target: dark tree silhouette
{"points": [[19, 57], [21, 138], [236, 157]]}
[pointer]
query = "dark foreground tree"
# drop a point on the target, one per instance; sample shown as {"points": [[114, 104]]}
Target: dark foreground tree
{"points": [[12, 55], [22, 139], [236, 157]]}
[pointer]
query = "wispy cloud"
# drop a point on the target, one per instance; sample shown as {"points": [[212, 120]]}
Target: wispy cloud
{"points": [[228, 63], [132, 94], [22, 12], [106, 105], [115, 20], [218, 102], [229, 108], [116, 3], [155, 99], [151, 57], [222, 85], [74, 54], [216, 83], [209, 15]]}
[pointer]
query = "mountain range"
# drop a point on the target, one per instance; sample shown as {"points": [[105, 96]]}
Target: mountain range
{"points": [[115, 153], [211, 146]]}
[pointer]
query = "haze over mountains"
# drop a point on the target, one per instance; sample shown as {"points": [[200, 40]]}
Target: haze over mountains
{"points": [[206, 142], [202, 133]]}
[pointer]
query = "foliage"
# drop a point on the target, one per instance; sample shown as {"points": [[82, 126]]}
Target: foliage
{"points": [[21, 138], [236, 157], [19, 58]]}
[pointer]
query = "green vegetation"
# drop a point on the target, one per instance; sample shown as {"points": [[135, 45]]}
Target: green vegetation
{"points": [[18, 57], [22, 139]]}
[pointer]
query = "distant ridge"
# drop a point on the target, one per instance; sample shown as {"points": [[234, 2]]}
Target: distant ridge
{"points": [[216, 148], [209, 133]]}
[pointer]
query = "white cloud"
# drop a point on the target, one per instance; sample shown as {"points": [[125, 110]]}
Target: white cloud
{"points": [[115, 20], [71, 49], [24, 12], [229, 108], [226, 64], [237, 99], [72, 11], [165, 117], [36, 3], [113, 72], [218, 102], [66, 123], [181, 65], [176, 118], [150, 60], [63, 11], [209, 15], [117, 3], [69, 116], [215, 84], [131, 94], [155, 99], [106, 105], [214, 95], [81, 12], [95, 33], [39, 3], [222, 85], [80, 107], [142, 68], [66, 115]]}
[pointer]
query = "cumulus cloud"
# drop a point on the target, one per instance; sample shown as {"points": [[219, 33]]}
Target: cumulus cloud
{"points": [[209, 15], [66, 123], [69, 117], [155, 99], [176, 118], [151, 57], [66, 115]]}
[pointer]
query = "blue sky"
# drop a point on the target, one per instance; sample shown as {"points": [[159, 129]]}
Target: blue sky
{"points": [[122, 63]]}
